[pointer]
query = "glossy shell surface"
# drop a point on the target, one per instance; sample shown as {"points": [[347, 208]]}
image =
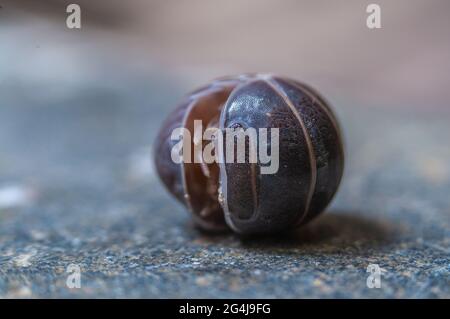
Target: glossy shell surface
{"points": [[237, 195]]}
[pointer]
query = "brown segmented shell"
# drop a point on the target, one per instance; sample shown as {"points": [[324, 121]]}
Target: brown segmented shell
{"points": [[238, 196]]}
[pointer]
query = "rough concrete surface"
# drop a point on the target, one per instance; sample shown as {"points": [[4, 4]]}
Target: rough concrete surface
{"points": [[77, 187]]}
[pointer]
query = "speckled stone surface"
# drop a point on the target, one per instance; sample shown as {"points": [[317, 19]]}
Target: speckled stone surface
{"points": [[76, 187]]}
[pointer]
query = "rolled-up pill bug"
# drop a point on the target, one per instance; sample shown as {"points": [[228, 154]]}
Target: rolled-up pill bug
{"points": [[238, 195]]}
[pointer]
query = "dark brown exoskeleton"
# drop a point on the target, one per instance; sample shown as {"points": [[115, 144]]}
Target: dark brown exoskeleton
{"points": [[237, 195]]}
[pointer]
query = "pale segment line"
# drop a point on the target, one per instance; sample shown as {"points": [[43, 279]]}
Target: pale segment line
{"points": [[275, 86], [310, 93]]}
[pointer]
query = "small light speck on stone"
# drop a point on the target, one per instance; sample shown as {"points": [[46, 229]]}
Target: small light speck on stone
{"points": [[14, 195], [203, 281], [24, 259]]}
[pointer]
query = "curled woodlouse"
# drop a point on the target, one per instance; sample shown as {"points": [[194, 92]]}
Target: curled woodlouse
{"points": [[238, 195]]}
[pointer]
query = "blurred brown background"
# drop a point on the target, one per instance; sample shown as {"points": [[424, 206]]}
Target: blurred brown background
{"points": [[325, 43]]}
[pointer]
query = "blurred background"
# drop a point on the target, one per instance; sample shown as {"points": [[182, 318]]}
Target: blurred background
{"points": [[80, 108], [325, 43]]}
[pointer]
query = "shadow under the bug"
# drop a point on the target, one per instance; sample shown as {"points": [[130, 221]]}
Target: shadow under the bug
{"points": [[329, 233]]}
